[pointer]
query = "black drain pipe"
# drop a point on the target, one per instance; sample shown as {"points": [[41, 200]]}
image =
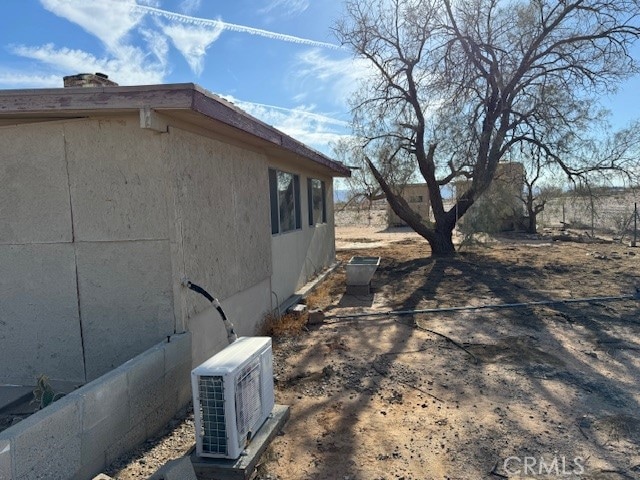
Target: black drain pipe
{"points": [[397, 313], [231, 334]]}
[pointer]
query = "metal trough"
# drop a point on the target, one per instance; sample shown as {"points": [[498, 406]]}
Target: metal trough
{"points": [[360, 270]]}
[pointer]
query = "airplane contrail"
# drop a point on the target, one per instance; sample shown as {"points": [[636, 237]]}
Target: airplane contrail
{"points": [[316, 116], [232, 27]]}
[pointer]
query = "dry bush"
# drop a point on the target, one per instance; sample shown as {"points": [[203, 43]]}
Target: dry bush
{"points": [[322, 296], [328, 290], [274, 325]]}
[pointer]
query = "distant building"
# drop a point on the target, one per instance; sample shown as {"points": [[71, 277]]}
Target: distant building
{"points": [[502, 199], [500, 206], [417, 196]]}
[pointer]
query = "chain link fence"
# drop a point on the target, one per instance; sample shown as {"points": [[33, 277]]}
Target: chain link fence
{"points": [[599, 214]]}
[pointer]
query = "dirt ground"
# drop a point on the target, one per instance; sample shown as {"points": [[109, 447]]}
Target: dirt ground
{"points": [[538, 391]]}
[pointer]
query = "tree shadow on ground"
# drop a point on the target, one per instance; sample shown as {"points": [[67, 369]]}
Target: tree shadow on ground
{"points": [[544, 375]]}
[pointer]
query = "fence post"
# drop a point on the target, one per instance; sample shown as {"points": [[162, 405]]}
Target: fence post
{"points": [[635, 224]]}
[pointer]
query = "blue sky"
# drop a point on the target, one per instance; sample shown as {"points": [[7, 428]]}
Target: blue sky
{"points": [[277, 59]]}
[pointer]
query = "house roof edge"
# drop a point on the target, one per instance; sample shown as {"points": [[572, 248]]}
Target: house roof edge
{"points": [[182, 96]]}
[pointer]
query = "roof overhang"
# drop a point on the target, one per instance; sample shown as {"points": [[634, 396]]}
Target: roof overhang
{"points": [[186, 100]]}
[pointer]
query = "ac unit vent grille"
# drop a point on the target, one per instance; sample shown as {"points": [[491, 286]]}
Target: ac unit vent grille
{"points": [[214, 434], [248, 399]]}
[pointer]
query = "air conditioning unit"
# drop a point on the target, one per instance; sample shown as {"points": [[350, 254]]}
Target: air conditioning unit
{"points": [[232, 397]]}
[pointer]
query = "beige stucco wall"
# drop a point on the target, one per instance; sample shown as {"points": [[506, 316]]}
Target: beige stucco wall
{"points": [[300, 254], [417, 196], [222, 234], [38, 290], [117, 180], [84, 254], [101, 220]]}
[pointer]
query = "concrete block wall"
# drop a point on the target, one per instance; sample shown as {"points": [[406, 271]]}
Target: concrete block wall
{"points": [[80, 434]]}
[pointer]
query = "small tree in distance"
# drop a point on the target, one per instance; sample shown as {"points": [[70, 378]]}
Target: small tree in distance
{"points": [[456, 86]]}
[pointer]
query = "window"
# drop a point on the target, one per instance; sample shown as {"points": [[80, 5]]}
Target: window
{"points": [[284, 190], [317, 203]]}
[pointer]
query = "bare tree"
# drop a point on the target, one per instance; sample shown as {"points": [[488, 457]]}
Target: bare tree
{"points": [[364, 189], [458, 85]]}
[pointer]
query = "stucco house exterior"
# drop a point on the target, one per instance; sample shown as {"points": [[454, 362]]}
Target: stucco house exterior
{"points": [[111, 196]]}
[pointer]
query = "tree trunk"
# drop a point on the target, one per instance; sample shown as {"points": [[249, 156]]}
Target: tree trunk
{"points": [[439, 236], [532, 224], [442, 244]]}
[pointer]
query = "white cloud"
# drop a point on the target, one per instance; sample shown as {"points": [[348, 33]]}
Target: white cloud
{"points": [[109, 21], [114, 22], [189, 6], [337, 78], [288, 7], [206, 22], [129, 67], [158, 44], [302, 123], [192, 41], [9, 79]]}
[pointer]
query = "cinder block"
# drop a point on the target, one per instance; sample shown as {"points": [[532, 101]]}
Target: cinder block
{"points": [[145, 380], [105, 416], [177, 350], [179, 469], [178, 386], [135, 436], [90, 467], [47, 444], [5, 460], [178, 371], [316, 316]]}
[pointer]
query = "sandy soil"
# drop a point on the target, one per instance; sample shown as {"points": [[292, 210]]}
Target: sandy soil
{"points": [[470, 394]]}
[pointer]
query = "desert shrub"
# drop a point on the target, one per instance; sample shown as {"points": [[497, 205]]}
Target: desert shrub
{"points": [[276, 325]]}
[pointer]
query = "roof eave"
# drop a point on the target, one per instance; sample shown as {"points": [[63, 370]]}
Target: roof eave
{"points": [[166, 97]]}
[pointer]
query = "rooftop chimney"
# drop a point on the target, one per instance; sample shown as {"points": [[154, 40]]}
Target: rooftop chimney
{"points": [[88, 80]]}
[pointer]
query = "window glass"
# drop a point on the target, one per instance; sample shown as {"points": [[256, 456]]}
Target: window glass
{"points": [[286, 201], [284, 189], [317, 202]]}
